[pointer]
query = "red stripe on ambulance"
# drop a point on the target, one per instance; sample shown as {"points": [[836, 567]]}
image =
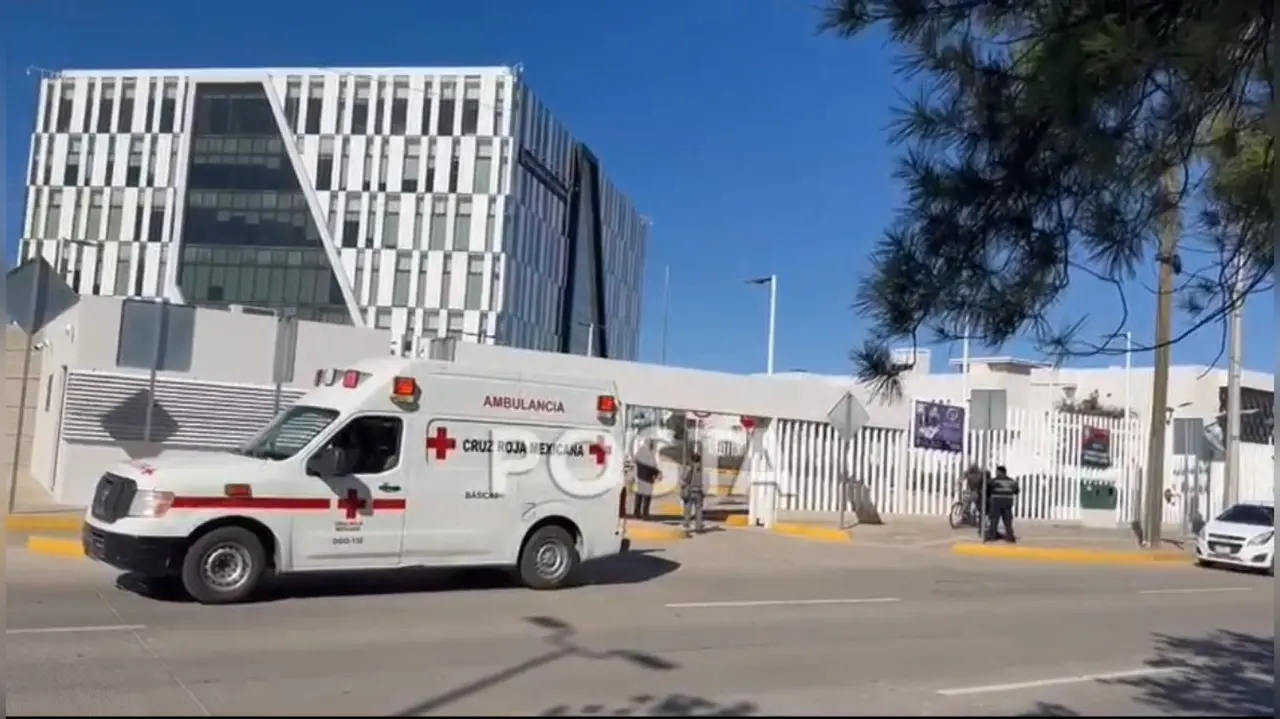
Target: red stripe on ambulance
{"points": [[292, 504]]}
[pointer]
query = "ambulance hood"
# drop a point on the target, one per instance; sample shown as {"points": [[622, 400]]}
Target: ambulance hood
{"points": [[183, 471]]}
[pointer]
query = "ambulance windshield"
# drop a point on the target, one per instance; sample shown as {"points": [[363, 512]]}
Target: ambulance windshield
{"points": [[289, 432]]}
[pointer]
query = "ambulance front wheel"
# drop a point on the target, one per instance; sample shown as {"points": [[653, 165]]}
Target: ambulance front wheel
{"points": [[548, 558], [223, 566]]}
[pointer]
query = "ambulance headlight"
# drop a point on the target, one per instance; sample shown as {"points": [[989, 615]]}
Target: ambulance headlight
{"points": [[150, 503]]}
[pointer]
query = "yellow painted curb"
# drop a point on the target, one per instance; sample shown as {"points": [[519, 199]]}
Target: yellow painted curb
{"points": [[55, 547], [57, 523], [812, 532], [735, 520], [1068, 555], [648, 533]]}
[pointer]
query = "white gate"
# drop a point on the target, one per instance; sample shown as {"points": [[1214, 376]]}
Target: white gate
{"points": [[1044, 450]]}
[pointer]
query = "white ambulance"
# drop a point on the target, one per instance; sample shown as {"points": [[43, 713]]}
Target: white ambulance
{"points": [[390, 463]]}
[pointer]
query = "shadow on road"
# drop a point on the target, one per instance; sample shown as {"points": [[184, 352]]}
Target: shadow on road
{"points": [[1222, 674], [561, 645], [629, 568]]}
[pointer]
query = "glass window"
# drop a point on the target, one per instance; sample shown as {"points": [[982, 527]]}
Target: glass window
{"points": [[1252, 514], [93, 220], [123, 262], [475, 282], [245, 201], [288, 433], [169, 107], [415, 238], [446, 278], [439, 220], [462, 225], [351, 222], [412, 164], [65, 105], [360, 109], [470, 107], [315, 106], [115, 212], [391, 224], [106, 103], [53, 216], [128, 98], [382, 320], [400, 106], [370, 444], [482, 179], [292, 102], [444, 123], [400, 285]]}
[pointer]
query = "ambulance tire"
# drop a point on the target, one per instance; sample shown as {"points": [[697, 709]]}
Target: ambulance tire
{"points": [[243, 556], [547, 545]]}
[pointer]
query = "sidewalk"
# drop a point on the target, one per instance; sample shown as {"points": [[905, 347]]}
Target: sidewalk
{"points": [[1037, 540]]}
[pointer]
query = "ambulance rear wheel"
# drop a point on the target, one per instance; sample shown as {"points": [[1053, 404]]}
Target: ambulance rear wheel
{"points": [[223, 566], [548, 559]]}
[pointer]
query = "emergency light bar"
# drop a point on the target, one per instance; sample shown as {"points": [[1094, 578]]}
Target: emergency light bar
{"points": [[349, 379]]}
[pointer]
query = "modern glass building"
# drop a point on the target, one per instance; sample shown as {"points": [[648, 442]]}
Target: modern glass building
{"points": [[427, 201]]}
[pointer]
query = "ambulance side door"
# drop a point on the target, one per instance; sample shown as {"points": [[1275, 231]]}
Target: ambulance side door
{"points": [[454, 509], [364, 527]]}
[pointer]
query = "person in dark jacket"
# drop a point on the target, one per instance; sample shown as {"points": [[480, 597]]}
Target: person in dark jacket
{"points": [[973, 480], [1001, 491]]}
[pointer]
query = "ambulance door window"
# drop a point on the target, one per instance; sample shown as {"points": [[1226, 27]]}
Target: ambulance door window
{"points": [[372, 442]]}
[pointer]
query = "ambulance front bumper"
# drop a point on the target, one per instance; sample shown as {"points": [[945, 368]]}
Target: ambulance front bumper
{"points": [[148, 556]]}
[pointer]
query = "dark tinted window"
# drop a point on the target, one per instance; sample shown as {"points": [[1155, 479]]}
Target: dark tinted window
{"points": [[248, 234], [1254, 514]]}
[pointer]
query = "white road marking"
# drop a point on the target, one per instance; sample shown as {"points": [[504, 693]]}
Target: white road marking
{"points": [[780, 603], [1056, 681], [1196, 590], [73, 630]]}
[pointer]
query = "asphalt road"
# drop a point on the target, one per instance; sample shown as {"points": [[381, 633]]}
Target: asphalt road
{"points": [[730, 624]]}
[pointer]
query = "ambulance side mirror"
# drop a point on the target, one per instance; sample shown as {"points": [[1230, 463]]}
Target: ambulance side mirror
{"points": [[328, 462]]}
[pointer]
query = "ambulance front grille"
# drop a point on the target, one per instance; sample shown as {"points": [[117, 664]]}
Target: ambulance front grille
{"points": [[112, 497]]}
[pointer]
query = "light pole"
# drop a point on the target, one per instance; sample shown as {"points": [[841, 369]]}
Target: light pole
{"points": [[1235, 351], [591, 336], [772, 281]]}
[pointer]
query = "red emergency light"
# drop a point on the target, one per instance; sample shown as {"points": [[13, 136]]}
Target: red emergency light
{"points": [[404, 388], [748, 423], [607, 409]]}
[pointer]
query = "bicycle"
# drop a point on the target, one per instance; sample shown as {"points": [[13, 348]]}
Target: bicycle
{"points": [[963, 514]]}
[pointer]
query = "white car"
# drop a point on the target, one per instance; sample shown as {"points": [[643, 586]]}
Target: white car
{"points": [[1244, 536]]}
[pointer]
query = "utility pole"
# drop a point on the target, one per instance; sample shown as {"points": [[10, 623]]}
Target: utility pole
{"points": [[1235, 349], [666, 311], [1153, 499]]}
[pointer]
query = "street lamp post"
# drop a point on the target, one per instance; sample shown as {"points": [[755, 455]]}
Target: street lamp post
{"points": [[772, 281], [591, 336]]}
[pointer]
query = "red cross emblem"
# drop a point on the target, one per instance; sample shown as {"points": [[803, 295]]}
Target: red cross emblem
{"points": [[353, 503], [441, 443], [600, 451]]}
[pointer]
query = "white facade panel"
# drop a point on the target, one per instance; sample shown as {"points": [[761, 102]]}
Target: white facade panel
{"points": [[410, 183]]}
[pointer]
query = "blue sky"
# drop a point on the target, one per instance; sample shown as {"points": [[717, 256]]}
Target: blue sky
{"points": [[754, 145]]}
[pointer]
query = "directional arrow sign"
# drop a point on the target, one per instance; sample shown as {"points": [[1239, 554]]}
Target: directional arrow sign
{"points": [[848, 417]]}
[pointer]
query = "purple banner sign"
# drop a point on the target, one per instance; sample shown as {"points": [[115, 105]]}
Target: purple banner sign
{"points": [[939, 426]]}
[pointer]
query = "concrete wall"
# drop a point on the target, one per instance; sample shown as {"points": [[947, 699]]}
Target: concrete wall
{"points": [[229, 348], [15, 341]]}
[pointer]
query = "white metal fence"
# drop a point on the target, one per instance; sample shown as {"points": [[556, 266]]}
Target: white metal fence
{"points": [[1046, 451]]}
